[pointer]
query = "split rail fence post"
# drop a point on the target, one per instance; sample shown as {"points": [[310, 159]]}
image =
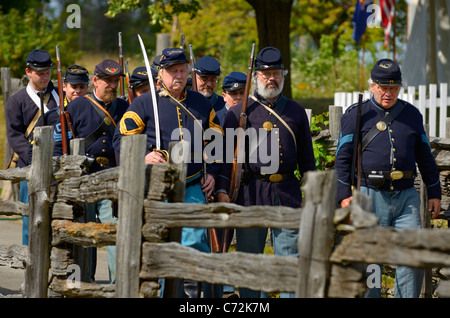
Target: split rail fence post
{"points": [[315, 235], [131, 187], [81, 253], [36, 273], [335, 115]]}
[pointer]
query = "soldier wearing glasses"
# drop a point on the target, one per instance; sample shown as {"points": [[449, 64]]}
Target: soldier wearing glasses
{"points": [[207, 72], [275, 114], [391, 148]]}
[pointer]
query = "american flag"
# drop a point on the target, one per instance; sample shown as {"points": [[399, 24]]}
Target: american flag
{"points": [[387, 15]]}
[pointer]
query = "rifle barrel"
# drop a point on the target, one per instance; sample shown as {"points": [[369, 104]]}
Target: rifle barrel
{"points": [[65, 148], [356, 157], [237, 162], [122, 89], [194, 78]]}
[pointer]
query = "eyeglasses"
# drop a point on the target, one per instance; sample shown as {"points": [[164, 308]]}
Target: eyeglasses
{"points": [[210, 79], [390, 89], [268, 74]]}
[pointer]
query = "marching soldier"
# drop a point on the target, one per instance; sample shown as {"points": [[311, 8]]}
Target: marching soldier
{"points": [[23, 111], [233, 87], [207, 72], [177, 109], [287, 138], [393, 141], [139, 81], [75, 83], [94, 118]]}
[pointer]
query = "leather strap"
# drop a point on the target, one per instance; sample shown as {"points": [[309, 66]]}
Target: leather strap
{"points": [[12, 162], [387, 120]]}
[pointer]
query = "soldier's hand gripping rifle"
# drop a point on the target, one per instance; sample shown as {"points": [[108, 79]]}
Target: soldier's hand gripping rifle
{"points": [[65, 148], [356, 157], [239, 150]]}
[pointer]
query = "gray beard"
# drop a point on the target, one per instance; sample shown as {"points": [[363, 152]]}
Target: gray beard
{"points": [[269, 93]]}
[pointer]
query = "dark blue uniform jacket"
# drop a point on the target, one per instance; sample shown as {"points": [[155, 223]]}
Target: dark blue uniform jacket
{"points": [[140, 119], [219, 108], [403, 144], [258, 192], [20, 110], [85, 120]]}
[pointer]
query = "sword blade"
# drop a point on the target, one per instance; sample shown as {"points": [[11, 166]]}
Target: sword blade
{"points": [[153, 94]]}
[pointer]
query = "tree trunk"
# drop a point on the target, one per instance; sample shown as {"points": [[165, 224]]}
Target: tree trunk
{"points": [[273, 22]]}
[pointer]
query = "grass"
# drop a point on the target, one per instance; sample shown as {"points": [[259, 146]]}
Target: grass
{"points": [[89, 60]]}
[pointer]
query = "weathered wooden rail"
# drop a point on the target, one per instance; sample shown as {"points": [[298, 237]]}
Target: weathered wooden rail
{"points": [[151, 213]]}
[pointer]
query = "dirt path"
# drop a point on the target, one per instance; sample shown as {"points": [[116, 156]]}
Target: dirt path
{"points": [[11, 279]]}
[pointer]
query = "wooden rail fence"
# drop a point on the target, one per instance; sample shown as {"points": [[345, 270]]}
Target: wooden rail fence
{"points": [[152, 212]]}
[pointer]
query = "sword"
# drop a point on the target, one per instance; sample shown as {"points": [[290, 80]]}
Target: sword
{"points": [[153, 93]]}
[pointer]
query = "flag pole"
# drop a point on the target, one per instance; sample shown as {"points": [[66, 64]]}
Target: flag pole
{"points": [[393, 37], [361, 81]]}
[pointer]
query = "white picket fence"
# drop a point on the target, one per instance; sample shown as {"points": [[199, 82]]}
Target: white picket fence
{"points": [[422, 99]]}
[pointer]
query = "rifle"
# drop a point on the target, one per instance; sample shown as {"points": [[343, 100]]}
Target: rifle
{"points": [[236, 172], [122, 90], [129, 90], [213, 237], [182, 41], [356, 157], [194, 78], [239, 150], [65, 148]]}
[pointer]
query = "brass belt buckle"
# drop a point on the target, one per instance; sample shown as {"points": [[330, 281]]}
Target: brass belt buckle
{"points": [[396, 175], [276, 177], [102, 161]]}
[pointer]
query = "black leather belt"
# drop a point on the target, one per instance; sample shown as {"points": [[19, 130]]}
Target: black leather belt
{"points": [[391, 175], [276, 177]]}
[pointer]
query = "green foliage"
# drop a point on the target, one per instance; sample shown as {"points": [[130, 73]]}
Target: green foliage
{"points": [[22, 33], [161, 12], [323, 159], [230, 45], [321, 72]]}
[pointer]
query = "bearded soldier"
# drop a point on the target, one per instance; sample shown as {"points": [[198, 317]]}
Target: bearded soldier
{"points": [[283, 129]]}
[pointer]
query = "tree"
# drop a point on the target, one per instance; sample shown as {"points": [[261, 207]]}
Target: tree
{"points": [[273, 22], [316, 18], [272, 19]]}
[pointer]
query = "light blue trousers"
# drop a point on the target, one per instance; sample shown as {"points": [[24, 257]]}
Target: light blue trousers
{"points": [[254, 241], [103, 209], [400, 210], [23, 197], [197, 239]]}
